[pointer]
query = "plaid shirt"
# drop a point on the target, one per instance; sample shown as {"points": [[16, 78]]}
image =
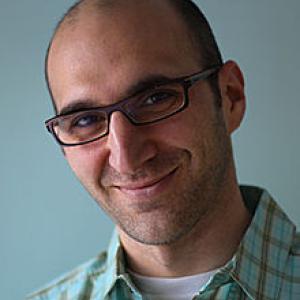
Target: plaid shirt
{"points": [[266, 265]]}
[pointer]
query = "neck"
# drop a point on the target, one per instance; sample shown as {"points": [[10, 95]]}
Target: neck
{"points": [[210, 244]]}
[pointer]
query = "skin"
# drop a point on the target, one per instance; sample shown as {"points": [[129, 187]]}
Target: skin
{"points": [[171, 186]]}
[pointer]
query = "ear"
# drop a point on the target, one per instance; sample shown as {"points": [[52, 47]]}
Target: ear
{"points": [[231, 83]]}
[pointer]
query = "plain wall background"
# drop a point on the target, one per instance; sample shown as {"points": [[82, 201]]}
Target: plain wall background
{"points": [[48, 223]]}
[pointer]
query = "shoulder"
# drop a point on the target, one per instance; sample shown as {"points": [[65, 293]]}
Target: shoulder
{"points": [[73, 284], [295, 256], [291, 282], [296, 245]]}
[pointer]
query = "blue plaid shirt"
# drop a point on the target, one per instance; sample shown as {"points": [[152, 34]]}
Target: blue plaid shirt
{"points": [[266, 265]]}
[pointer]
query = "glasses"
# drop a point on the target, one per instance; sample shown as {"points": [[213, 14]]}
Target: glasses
{"points": [[148, 106]]}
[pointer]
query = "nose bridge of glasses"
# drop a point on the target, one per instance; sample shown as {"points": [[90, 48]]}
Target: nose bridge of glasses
{"points": [[121, 107]]}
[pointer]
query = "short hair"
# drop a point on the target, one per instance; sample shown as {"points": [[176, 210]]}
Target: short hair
{"points": [[198, 30]]}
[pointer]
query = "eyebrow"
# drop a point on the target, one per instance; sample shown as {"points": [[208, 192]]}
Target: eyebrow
{"points": [[77, 105], [148, 82]]}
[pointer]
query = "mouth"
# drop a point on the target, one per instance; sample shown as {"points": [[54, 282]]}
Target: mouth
{"points": [[149, 188]]}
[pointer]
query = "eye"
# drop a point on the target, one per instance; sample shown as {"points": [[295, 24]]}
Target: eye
{"points": [[87, 120], [157, 98]]}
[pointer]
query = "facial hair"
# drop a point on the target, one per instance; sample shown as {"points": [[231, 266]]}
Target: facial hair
{"points": [[192, 200]]}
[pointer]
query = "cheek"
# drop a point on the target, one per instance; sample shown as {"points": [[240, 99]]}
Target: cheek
{"points": [[195, 132], [185, 130], [87, 162]]}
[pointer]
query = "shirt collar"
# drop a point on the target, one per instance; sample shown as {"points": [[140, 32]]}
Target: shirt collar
{"points": [[259, 263], [114, 270]]}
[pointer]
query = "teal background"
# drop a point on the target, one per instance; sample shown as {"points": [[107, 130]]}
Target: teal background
{"points": [[48, 223]]}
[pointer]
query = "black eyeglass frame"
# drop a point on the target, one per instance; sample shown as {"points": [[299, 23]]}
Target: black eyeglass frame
{"points": [[186, 81]]}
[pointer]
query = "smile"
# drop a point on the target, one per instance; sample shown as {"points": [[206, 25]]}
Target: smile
{"points": [[148, 189]]}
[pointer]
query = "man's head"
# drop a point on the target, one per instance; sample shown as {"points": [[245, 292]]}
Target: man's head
{"points": [[159, 180], [198, 31]]}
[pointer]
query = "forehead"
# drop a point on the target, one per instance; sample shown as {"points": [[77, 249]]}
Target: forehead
{"points": [[105, 51]]}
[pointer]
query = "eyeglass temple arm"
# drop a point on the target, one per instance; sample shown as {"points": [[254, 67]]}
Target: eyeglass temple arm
{"points": [[202, 75]]}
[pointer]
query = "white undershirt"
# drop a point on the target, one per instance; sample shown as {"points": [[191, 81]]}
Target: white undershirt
{"points": [[179, 288]]}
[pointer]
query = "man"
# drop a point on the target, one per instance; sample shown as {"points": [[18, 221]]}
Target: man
{"points": [[145, 108]]}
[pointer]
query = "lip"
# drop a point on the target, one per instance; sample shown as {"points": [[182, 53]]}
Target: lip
{"points": [[148, 189]]}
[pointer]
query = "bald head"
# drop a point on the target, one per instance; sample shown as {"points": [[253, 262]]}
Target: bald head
{"points": [[197, 26], [197, 34]]}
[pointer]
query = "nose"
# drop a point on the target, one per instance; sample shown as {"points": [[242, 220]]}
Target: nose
{"points": [[130, 146]]}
